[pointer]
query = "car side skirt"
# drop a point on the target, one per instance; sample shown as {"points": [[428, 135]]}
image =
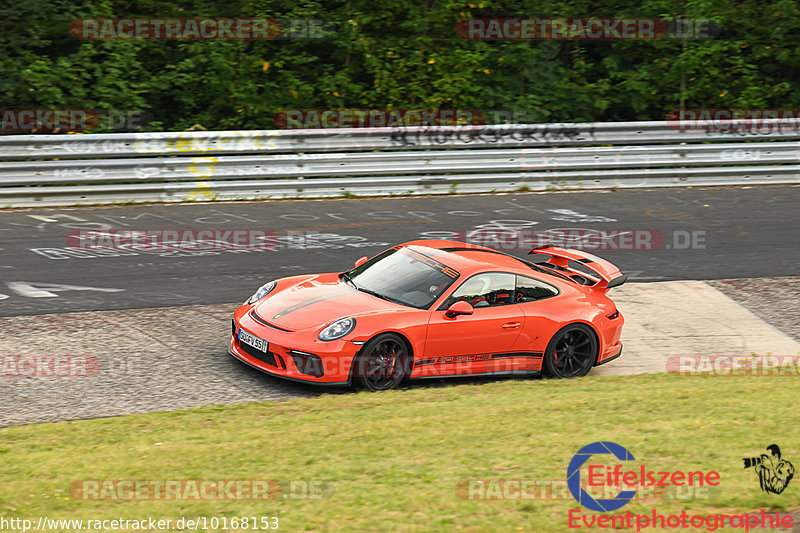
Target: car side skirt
{"points": [[479, 374]]}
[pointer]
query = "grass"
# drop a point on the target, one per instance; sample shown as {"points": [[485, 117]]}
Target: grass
{"points": [[393, 460]]}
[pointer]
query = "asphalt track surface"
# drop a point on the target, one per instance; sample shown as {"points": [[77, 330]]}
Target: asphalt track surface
{"points": [[694, 233]]}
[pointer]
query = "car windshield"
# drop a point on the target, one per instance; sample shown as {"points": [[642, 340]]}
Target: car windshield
{"points": [[403, 276]]}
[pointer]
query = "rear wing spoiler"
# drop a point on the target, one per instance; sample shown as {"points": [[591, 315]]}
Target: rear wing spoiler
{"points": [[609, 275]]}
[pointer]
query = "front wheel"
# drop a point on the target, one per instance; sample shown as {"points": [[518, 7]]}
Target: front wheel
{"points": [[571, 353], [382, 363]]}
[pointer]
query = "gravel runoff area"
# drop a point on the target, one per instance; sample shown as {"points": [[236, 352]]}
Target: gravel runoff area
{"points": [[149, 360], [175, 358], [775, 300]]}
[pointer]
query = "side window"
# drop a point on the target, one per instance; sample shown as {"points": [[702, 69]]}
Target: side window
{"points": [[529, 289], [484, 290]]}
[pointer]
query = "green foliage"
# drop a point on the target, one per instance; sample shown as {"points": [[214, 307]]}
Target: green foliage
{"points": [[400, 54]]}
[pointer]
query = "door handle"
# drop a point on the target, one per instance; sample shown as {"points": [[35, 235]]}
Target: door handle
{"points": [[510, 325]]}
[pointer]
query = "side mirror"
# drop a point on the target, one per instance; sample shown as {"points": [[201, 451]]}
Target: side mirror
{"points": [[361, 261], [459, 308]]}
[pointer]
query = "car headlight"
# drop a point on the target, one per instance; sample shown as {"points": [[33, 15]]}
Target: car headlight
{"points": [[338, 329], [262, 291]]}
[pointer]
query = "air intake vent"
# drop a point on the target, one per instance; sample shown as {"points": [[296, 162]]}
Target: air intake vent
{"points": [[307, 363]]}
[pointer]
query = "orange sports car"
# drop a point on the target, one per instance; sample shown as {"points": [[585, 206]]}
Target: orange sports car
{"points": [[433, 309]]}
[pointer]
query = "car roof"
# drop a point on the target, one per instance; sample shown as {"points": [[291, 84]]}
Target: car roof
{"points": [[468, 258]]}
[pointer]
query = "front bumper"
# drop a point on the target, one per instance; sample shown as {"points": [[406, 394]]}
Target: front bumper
{"points": [[262, 368], [297, 356]]}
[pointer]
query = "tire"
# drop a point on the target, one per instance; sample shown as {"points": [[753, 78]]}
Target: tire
{"points": [[571, 353], [383, 363]]}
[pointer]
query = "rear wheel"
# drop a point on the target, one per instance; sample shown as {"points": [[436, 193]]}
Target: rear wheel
{"points": [[571, 353], [383, 362]]}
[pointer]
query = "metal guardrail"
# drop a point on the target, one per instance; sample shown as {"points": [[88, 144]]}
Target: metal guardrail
{"points": [[50, 170], [359, 139]]}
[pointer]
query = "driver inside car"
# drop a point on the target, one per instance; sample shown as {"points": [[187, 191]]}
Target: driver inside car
{"points": [[475, 292]]}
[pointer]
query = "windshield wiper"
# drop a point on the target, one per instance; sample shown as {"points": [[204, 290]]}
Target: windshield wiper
{"points": [[347, 279], [381, 296]]}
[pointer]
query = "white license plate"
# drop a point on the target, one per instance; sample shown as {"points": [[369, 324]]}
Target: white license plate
{"points": [[252, 340]]}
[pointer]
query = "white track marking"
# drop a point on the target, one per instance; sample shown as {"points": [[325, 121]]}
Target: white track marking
{"points": [[48, 290]]}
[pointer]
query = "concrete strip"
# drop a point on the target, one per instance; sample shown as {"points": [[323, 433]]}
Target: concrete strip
{"points": [[175, 358], [687, 318]]}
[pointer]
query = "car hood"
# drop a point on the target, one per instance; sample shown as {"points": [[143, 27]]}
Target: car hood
{"points": [[318, 300]]}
